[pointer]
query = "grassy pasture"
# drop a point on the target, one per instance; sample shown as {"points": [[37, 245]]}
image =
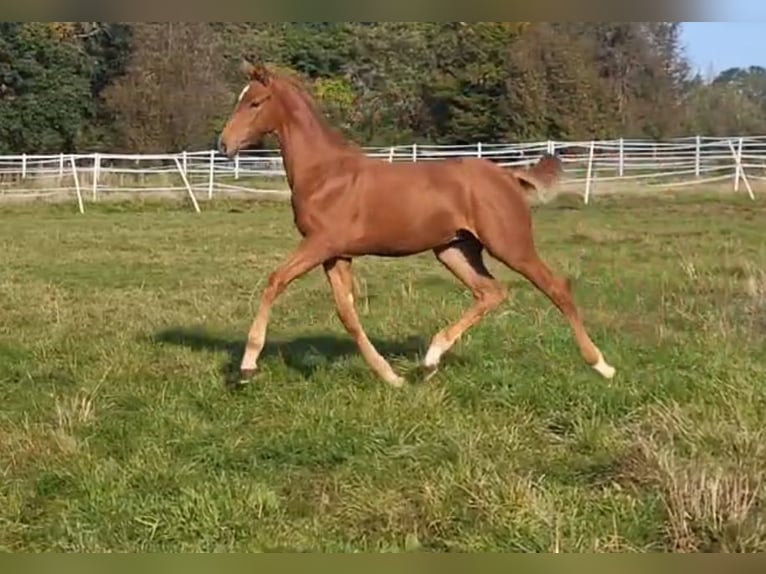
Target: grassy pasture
{"points": [[119, 328]]}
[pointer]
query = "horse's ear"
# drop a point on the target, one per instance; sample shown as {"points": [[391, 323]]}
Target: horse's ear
{"points": [[256, 71], [261, 74], [247, 67]]}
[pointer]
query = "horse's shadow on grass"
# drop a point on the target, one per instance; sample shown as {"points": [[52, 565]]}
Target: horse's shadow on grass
{"points": [[303, 354]]}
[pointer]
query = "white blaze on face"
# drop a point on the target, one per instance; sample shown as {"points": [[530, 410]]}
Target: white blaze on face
{"points": [[243, 92]]}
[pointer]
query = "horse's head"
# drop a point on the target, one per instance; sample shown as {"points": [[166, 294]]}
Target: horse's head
{"points": [[255, 114]]}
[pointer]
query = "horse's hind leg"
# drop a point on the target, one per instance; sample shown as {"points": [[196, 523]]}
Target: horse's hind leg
{"points": [[464, 260], [518, 253], [559, 292]]}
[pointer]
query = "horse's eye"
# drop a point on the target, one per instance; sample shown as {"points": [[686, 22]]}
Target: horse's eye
{"points": [[254, 104]]}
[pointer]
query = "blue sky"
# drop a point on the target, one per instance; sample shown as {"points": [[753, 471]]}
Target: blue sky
{"points": [[719, 45]]}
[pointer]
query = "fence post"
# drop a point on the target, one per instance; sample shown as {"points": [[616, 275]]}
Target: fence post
{"points": [[189, 189], [739, 162], [24, 166], [76, 184], [479, 150], [391, 154], [212, 175], [737, 165], [96, 172], [740, 172], [589, 179], [185, 161], [61, 166], [551, 147], [622, 157], [698, 158], [236, 167], [414, 152]]}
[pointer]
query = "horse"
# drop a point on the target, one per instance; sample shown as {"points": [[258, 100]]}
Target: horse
{"points": [[347, 204]]}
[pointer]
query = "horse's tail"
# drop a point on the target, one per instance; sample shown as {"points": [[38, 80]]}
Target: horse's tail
{"points": [[541, 176]]}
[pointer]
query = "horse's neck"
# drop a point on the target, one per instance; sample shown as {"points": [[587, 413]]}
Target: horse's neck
{"points": [[304, 142]]}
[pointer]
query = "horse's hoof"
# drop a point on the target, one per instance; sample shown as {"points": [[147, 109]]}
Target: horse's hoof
{"points": [[397, 382], [429, 372], [394, 380], [246, 375], [604, 369]]}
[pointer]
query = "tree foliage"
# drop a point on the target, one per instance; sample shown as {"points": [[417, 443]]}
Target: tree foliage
{"points": [[169, 86], [44, 89], [173, 92]]}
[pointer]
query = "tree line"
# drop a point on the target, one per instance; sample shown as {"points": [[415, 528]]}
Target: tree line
{"points": [[157, 87]]}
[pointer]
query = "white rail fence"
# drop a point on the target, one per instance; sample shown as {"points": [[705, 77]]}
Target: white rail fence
{"points": [[672, 163]]}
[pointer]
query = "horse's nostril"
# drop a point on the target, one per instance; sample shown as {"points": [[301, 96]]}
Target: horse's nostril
{"points": [[221, 145]]}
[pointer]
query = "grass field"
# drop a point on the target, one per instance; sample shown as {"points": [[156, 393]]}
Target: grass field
{"points": [[119, 328]]}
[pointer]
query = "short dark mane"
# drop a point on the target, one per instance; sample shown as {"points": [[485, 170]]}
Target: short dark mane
{"points": [[296, 88]]}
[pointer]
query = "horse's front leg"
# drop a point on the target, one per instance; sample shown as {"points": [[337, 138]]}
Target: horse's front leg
{"points": [[311, 253]]}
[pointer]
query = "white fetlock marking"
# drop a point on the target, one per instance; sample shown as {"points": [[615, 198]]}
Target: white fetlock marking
{"points": [[604, 369], [249, 361], [433, 356]]}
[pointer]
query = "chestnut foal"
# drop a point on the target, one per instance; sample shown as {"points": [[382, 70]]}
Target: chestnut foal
{"points": [[347, 205]]}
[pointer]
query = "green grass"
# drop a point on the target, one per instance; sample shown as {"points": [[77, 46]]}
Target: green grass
{"points": [[119, 328]]}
